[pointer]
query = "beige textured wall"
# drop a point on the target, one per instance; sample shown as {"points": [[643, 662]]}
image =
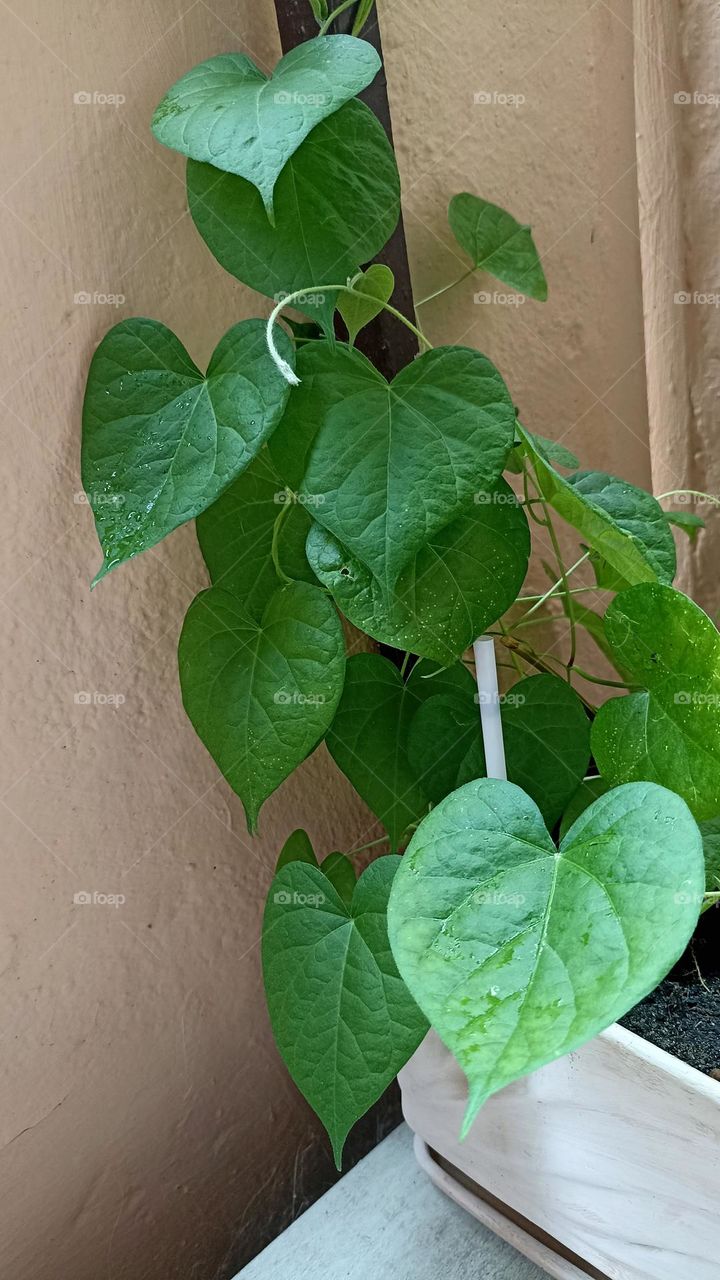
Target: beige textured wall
{"points": [[147, 1127]]}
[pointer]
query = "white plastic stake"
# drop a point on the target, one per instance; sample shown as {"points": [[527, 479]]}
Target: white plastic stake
{"points": [[489, 699]]}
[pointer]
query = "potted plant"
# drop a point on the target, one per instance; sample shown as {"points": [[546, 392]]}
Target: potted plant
{"points": [[323, 493]]}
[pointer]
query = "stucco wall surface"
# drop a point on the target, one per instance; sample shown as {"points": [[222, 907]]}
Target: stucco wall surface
{"points": [[148, 1129]]}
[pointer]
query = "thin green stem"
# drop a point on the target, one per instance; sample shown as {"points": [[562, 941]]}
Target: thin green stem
{"points": [[609, 684], [371, 844], [561, 582], [346, 4], [557, 595], [693, 493], [446, 288], [274, 550], [405, 661]]}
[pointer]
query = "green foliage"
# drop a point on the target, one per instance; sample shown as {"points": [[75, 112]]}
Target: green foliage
{"points": [[261, 695], [337, 202], [342, 1017], [160, 440], [368, 741], [669, 732], [445, 597], [517, 953], [546, 733], [386, 466], [370, 290], [228, 113], [351, 500], [498, 244]]}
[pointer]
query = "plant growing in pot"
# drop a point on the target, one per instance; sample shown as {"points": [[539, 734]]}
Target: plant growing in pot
{"points": [[526, 913]]}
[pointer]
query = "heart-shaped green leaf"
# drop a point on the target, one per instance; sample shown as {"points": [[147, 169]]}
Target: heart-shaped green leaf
{"points": [[546, 734], [337, 202], [624, 524], [518, 953], [670, 732], [261, 696], [342, 1017], [367, 741], [370, 290], [160, 439], [464, 579], [387, 466], [236, 535], [228, 113], [498, 244]]}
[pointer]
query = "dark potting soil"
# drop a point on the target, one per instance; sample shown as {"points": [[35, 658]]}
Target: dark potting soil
{"points": [[682, 1016]]}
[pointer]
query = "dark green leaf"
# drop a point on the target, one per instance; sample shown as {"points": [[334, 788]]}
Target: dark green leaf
{"points": [[546, 733], [236, 532], [624, 524], [342, 1017], [160, 439], [553, 452], [367, 741], [371, 290], [498, 244], [388, 466], [261, 696], [670, 733], [685, 520], [337, 202], [341, 873], [297, 848], [590, 789], [517, 953], [228, 113], [710, 832], [464, 579]]}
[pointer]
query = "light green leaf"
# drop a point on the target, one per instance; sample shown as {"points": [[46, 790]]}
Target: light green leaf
{"points": [[546, 734], [498, 244], [341, 873], [236, 533], [261, 696], [388, 466], [228, 113], [367, 741], [297, 848], [518, 954], [160, 439], [371, 289], [624, 524], [337, 202], [685, 520], [464, 579], [342, 1017], [553, 452], [670, 733]]}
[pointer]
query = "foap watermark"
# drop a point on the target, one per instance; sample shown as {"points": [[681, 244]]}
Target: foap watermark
{"points": [[494, 498], [285, 496], [97, 698], [498, 299], [296, 699], [495, 898], [285, 99], [95, 500], [284, 898], [510, 699], [498, 98], [696, 99], [301, 300], [696, 299], [694, 698], [95, 899], [98, 98], [689, 899], [84, 298]]}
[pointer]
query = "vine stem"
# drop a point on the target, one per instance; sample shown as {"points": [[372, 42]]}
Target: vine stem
{"points": [[346, 4], [561, 582], [282, 513], [693, 493], [282, 365], [446, 288]]}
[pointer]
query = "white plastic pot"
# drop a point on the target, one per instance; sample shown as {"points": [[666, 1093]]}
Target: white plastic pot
{"points": [[605, 1163]]}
